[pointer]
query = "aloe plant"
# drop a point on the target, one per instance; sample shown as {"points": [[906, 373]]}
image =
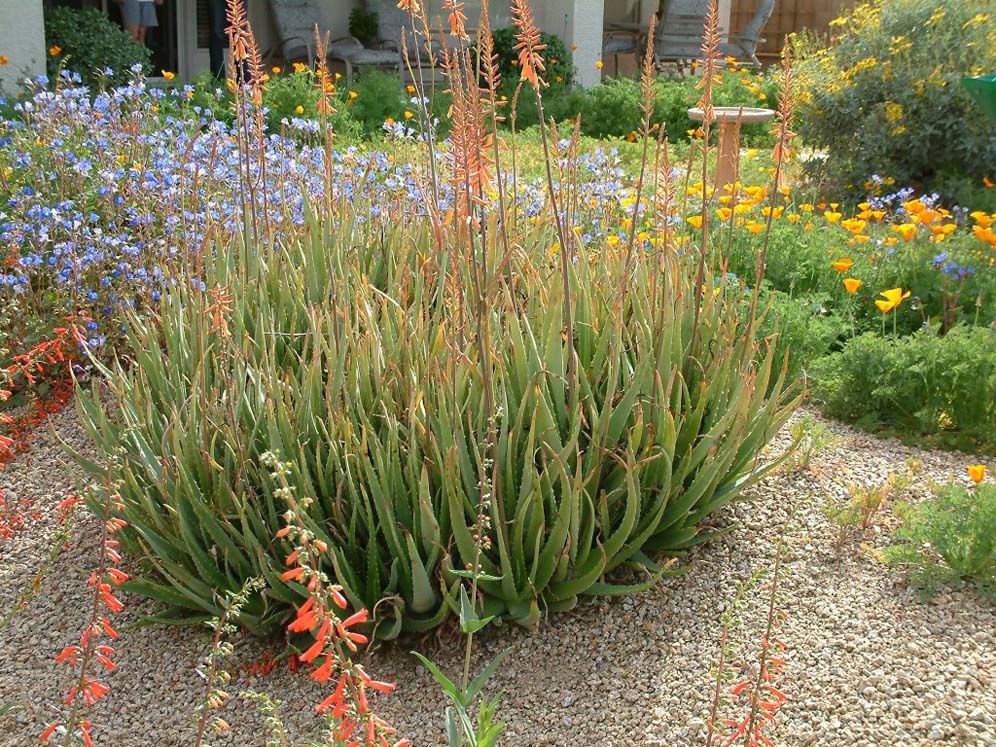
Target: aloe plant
{"points": [[342, 352]]}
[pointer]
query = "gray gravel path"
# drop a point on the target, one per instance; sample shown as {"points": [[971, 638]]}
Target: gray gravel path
{"points": [[871, 663]]}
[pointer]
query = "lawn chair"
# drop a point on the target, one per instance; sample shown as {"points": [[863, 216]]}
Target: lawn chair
{"points": [[391, 20], [678, 39], [296, 21]]}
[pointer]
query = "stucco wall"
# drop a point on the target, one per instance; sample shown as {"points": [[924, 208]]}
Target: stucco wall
{"points": [[22, 40], [577, 22]]}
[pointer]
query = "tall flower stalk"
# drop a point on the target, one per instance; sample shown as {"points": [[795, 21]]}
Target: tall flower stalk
{"points": [[91, 650]]}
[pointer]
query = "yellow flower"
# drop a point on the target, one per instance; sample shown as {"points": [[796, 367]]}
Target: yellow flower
{"points": [[695, 221], [3, 60], [353, 95], [755, 227], [831, 216], [806, 207], [976, 472], [724, 213], [574, 47], [54, 51], [893, 297], [168, 75], [854, 225], [299, 109], [793, 218], [300, 67], [842, 265], [612, 240], [988, 183], [906, 230], [808, 226], [852, 284], [276, 70], [982, 218], [408, 114], [775, 213], [599, 64], [410, 88]]}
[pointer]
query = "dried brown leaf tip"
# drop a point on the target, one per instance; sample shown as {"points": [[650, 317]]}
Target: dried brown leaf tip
{"points": [[528, 43]]}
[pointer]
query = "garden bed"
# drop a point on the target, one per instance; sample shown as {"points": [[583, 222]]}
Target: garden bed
{"points": [[870, 661]]}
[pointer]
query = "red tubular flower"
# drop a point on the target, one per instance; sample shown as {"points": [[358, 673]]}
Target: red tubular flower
{"points": [[49, 731], [355, 618]]}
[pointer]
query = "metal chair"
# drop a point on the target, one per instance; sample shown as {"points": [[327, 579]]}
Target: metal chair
{"points": [[296, 21], [678, 38]]}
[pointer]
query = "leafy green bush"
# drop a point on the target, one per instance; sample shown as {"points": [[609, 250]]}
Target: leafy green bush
{"points": [[885, 98], [379, 96], [923, 383], [612, 108], [805, 328], [295, 96], [90, 44], [340, 353], [559, 61], [364, 24], [949, 538]]}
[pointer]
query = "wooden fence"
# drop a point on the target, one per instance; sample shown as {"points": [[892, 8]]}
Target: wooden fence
{"points": [[789, 16]]}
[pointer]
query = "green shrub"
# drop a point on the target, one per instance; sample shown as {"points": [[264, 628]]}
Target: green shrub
{"points": [[559, 70], [885, 98], [612, 108], [922, 383], [949, 538], [295, 96], [379, 96], [805, 328], [364, 25], [91, 44], [342, 353]]}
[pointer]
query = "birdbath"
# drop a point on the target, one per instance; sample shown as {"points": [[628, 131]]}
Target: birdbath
{"points": [[730, 118]]}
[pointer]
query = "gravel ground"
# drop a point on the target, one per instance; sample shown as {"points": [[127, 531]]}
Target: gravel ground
{"points": [[870, 662]]}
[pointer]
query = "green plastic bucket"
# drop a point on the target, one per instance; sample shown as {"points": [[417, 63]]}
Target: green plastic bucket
{"points": [[982, 89]]}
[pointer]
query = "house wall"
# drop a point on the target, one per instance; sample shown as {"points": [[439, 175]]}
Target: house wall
{"points": [[22, 41]]}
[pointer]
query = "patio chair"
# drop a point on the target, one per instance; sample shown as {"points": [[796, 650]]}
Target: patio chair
{"points": [[296, 21], [391, 20], [678, 38], [616, 42]]}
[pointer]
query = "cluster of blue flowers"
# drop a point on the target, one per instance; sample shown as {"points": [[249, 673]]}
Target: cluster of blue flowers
{"points": [[108, 193]]}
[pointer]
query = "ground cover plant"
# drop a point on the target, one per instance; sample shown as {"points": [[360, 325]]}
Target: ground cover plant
{"points": [[950, 537]]}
